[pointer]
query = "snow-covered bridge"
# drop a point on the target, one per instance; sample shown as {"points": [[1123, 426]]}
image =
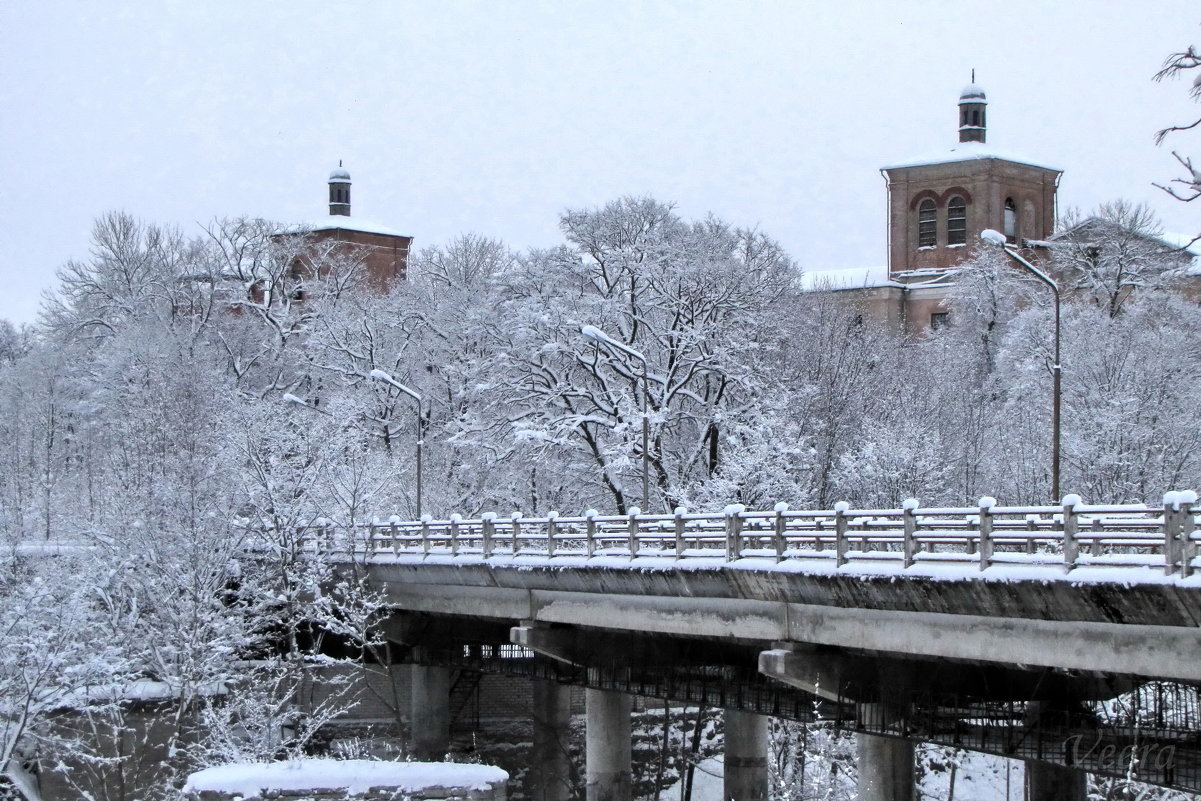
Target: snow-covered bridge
{"points": [[1089, 599]]}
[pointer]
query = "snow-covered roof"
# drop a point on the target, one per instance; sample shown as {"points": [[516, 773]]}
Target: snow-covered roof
{"points": [[850, 278], [343, 223], [138, 690], [967, 151], [1186, 242], [972, 93], [355, 776], [339, 175]]}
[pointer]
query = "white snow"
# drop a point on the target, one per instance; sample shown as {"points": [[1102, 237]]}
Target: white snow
{"points": [[978, 777], [1005, 567], [974, 92], [340, 222], [850, 278], [993, 237], [1187, 242], [353, 775], [142, 690], [968, 151]]}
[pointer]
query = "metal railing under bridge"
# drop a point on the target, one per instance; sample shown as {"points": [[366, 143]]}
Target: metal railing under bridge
{"points": [[1066, 536]]}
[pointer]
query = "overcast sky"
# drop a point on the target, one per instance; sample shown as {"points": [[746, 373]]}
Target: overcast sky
{"points": [[494, 117]]}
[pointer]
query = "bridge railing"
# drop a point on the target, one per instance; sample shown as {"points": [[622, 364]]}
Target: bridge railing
{"points": [[1068, 535]]}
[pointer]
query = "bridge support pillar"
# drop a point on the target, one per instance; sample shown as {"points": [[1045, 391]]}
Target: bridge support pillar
{"points": [[746, 757], [1046, 782], [885, 763], [550, 766], [607, 745], [429, 715]]}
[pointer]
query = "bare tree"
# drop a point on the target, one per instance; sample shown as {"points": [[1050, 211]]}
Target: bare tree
{"points": [[1188, 187], [1115, 252]]}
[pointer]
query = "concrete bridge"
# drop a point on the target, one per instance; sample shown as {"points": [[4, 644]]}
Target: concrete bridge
{"points": [[905, 624]]}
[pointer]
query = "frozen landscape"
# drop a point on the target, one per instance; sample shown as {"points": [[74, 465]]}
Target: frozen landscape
{"points": [[645, 489]]}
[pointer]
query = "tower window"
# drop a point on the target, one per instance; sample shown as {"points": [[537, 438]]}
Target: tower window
{"points": [[927, 222], [957, 221], [1011, 220]]}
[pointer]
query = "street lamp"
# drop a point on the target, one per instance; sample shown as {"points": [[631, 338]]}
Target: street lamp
{"points": [[288, 397], [601, 338], [997, 238], [380, 375]]}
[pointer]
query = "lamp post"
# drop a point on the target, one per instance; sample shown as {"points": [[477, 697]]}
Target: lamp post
{"points": [[997, 238], [601, 338], [380, 375], [288, 397]]}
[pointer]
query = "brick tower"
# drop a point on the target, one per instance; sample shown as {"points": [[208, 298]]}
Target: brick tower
{"points": [[938, 205]]}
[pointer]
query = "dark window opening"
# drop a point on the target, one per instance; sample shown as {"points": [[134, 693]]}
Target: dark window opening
{"points": [[927, 224], [1011, 220], [297, 276], [939, 320], [957, 221]]}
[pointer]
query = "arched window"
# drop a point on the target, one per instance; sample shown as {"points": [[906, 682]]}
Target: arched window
{"points": [[927, 224], [957, 221], [1011, 220]]}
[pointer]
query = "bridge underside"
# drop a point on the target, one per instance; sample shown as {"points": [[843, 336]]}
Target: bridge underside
{"points": [[1144, 630], [980, 707], [1065, 684]]}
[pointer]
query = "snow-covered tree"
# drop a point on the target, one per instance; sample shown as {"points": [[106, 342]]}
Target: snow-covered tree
{"points": [[1114, 253]]}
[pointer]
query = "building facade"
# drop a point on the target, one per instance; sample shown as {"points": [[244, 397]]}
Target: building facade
{"points": [[938, 205], [384, 252]]}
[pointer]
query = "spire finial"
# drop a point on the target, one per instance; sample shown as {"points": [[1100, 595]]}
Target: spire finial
{"points": [[973, 81]]}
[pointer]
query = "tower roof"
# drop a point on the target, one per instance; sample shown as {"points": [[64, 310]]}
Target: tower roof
{"points": [[339, 175], [972, 93], [341, 223], [969, 151]]}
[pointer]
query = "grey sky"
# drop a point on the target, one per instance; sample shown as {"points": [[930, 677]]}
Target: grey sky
{"points": [[493, 117]]}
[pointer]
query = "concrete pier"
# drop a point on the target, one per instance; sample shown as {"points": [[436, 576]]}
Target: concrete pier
{"points": [[1055, 783], [550, 766], [1045, 782], [607, 746], [746, 757], [886, 770], [429, 717]]}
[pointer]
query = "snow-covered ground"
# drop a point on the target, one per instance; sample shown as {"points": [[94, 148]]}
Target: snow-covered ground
{"points": [[707, 782], [977, 777], [353, 775]]}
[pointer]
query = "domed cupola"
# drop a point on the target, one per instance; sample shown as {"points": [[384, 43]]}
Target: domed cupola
{"points": [[339, 192], [972, 107]]}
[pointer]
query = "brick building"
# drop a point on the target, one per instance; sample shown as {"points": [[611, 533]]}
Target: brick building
{"points": [[937, 206], [384, 251]]}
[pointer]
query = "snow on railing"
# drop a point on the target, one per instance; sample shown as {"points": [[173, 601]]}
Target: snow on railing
{"points": [[1070, 534]]}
